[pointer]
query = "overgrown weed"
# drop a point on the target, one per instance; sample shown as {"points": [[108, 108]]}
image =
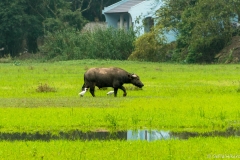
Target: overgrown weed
{"points": [[6, 59], [45, 88]]}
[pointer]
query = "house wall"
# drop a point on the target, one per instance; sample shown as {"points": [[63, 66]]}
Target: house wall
{"points": [[146, 10], [136, 16], [139, 13], [113, 20], [171, 36]]}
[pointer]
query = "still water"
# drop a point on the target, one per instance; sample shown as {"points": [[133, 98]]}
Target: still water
{"points": [[149, 135], [146, 135]]}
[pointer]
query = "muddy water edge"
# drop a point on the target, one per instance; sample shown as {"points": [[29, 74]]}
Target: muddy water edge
{"points": [[141, 134]]}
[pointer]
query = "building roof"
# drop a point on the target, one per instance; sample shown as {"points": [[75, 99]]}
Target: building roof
{"points": [[124, 7]]}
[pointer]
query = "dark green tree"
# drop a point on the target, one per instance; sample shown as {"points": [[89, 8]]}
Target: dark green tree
{"points": [[203, 26], [15, 25], [94, 13], [24, 21]]}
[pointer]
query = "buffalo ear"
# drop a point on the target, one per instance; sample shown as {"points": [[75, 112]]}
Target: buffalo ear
{"points": [[130, 76], [134, 75]]}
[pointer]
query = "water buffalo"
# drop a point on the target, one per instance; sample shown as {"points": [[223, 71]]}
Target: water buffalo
{"points": [[109, 77]]}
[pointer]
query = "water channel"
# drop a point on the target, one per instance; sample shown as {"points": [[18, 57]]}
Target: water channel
{"points": [[147, 135]]}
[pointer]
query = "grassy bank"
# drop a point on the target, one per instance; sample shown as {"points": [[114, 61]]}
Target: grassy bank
{"points": [[197, 148], [175, 97]]}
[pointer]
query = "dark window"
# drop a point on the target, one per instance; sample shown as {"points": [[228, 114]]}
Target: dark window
{"points": [[148, 24]]}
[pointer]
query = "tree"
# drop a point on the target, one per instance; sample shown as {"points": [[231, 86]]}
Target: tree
{"points": [[60, 14], [14, 26], [94, 13], [203, 26], [24, 21], [150, 47]]}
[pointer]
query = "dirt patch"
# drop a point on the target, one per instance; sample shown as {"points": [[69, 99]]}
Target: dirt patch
{"points": [[230, 53], [70, 135]]}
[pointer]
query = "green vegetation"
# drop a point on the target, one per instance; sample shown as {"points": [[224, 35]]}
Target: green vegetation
{"points": [[150, 48], [197, 148], [107, 43], [33, 20], [203, 27], [54, 28], [176, 97], [42, 98]]}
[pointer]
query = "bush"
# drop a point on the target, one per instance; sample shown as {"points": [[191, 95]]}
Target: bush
{"points": [[150, 48], [107, 43]]}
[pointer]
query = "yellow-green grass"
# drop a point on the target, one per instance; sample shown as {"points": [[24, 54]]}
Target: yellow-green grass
{"points": [[175, 97], [196, 148]]}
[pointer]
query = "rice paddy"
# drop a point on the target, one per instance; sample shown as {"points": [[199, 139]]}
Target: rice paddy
{"points": [[42, 98]]}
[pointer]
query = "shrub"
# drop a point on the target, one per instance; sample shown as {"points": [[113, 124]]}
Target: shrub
{"points": [[150, 47], [6, 59], [107, 43]]}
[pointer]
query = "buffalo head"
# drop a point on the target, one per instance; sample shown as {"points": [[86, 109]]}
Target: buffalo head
{"points": [[135, 80]]}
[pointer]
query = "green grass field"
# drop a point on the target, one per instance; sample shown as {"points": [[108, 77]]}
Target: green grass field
{"points": [[176, 97], [197, 148]]}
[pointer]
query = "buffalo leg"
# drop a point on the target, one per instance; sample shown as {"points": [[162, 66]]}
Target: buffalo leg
{"points": [[83, 87], [115, 92], [92, 91], [124, 91]]}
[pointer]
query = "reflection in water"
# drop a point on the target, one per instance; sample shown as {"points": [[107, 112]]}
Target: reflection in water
{"points": [[149, 135]]}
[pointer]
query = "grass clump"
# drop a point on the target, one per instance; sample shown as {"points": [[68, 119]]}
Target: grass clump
{"points": [[45, 88]]}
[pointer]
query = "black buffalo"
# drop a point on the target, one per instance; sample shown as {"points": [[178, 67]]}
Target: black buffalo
{"points": [[109, 77]]}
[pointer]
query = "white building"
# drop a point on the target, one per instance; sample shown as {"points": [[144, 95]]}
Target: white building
{"points": [[138, 14]]}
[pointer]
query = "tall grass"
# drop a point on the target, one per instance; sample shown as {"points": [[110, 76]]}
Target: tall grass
{"points": [[107, 43]]}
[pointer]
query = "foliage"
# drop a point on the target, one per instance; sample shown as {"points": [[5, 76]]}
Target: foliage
{"points": [[14, 28], [107, 43], [203, 26], [23, 22], [209, 32], [64, 19], [151, 46], [175, 97], [94, 13], [6, 59], [194, 148]]}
